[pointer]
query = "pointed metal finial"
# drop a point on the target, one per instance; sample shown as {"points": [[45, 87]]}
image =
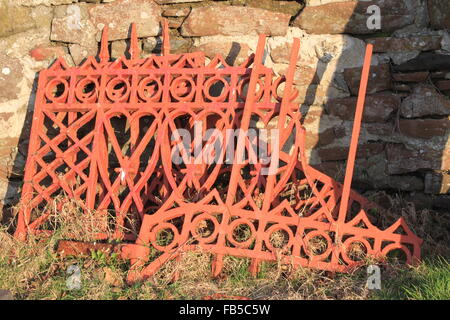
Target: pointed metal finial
{"points": [[104, 52], [134, 49], [166, 39]]}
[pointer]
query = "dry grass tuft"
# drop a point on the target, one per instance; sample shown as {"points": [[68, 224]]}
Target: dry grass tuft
{"points": [[32, 269]]}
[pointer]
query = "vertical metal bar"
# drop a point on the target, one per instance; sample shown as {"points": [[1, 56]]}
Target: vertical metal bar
{"points": [[282, 119], [236, 170], [355, 135], [248, 108], [271, 179]]}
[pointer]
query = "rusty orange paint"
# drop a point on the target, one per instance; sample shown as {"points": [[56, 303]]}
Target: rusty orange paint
{"points": [[102, 132]]}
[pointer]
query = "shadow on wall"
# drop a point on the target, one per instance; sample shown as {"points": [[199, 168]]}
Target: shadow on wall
{"points": [[404, 142], [16, 176]]}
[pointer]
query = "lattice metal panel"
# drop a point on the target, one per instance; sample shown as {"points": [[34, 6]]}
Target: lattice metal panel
{"points": [[105, 133]]}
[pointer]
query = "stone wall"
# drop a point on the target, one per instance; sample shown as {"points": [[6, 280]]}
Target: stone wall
{"points": [[404, 145]]}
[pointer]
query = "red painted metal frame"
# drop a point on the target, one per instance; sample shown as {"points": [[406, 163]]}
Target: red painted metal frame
{"points": [[102, 133]]}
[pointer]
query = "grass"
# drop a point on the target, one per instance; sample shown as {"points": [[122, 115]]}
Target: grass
{"points": [[429, 281], [33, 270]]}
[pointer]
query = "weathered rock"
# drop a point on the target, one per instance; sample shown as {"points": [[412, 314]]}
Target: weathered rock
{"points": [[151, 45], [234, 53], [402, 159], [71, 24], [411, 77], [19, 45], [231, 21], [443, 85], [352, 17], [341, 153], [79, 53], [180, 44], [445, 43], [426, 61], [118, 48], [404, 88], [398, 58], [437, 183], [175, 22], [440, 75], [14, 18], [303, 76], [439, 13], [370, 174], [379, 79], [378, 107], [322, 138], [121, 48], [176, 1], [32, 3], [119, 15], [313, 94], [334, 169], [42, 16], [380, 129], [424, 128], [177, 45], [41, 52], [336, 52], [391, 44], [176, 12], [321, 128], [289, 7], [322, 2], [425, 101], [11, 161], [11, 74]]}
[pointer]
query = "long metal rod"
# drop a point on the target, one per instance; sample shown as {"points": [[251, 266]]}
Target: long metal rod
{"points": [[355, 134]]}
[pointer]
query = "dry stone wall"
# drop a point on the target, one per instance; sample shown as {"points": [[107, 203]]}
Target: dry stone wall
{"points": [[404, 145]]}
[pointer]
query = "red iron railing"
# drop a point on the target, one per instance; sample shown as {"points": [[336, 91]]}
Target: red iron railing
{"points": [[105, 132]]}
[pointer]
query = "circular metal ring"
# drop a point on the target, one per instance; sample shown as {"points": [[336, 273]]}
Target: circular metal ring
{"points": [[146, 83], [91, 95], [347, 245], [154, 235], [51, 89], [197, 221], [118, 94], [232, 227], [182, 88], [314, 234], [272, 230], [212, 81]]}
